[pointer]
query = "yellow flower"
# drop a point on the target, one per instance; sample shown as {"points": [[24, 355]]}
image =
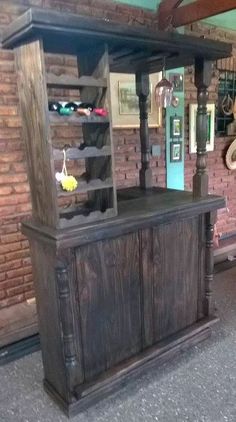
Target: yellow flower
{"points": [[69, 183]]}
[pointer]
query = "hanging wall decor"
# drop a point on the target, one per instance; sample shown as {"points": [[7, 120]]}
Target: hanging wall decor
{"points": [[192, 127], [176, 125], [175, 151], [125, 103], [230, 158]]}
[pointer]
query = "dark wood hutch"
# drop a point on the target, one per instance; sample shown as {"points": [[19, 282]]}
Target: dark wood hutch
{"points": [[122, 278]]}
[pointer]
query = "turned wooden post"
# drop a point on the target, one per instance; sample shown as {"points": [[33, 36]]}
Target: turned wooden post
{"points": [[202, 81], [142, 91], [210, 222]]}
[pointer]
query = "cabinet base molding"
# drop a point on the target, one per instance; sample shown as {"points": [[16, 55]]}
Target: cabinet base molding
{"points": [[90, 393]]}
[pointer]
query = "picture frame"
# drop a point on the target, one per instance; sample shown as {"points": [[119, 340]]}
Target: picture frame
{"points": [[177, 80], [125, 102], [192, 127], [176, 151], [176, 127]]}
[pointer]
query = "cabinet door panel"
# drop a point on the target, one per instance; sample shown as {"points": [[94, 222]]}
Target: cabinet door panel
{"points": [[170, 280], [109, 302]]}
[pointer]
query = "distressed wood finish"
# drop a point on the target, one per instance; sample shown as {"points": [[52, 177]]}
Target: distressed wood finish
{"points": [[95, 63], [122, 303], [210, 222], [109, 300], [142, 91], [36, 131], [85, 30], [170, 278], [118, 295]]}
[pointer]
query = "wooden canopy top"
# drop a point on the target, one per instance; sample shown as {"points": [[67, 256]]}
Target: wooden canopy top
{"points": [[131, 48]]}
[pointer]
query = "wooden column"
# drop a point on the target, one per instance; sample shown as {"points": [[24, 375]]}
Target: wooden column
{"points": [[142, 91], [210, 222], [202, 81], [33, 102]]}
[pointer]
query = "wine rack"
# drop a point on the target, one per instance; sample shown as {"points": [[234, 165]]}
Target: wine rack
{"points": [[89, 158]]}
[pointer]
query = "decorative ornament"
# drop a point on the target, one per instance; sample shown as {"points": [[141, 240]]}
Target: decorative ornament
{"points": [[227, 105], [68, 183], [100, 112], [231, 156], [164, 91]]}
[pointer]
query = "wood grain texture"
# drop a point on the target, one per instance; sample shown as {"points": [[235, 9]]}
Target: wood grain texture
{"points": [[201, 311], [170, 278], [36, 131], [85, 29], [209, 261], [43, 260], [203, 72], [109, 300], [142, 91], [95, 63]]}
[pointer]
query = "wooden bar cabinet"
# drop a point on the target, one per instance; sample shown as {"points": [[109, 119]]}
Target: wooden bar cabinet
{"points": [[122, 278]]}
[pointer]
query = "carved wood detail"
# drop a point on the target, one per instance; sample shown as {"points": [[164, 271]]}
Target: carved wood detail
{"points": [[202, 81], [63, 274], [210, 222], [142, 91]]}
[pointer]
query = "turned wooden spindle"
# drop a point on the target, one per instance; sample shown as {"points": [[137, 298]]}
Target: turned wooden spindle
{"points": [[142, 91], [210, 222], [202, 81], [63, 274]]}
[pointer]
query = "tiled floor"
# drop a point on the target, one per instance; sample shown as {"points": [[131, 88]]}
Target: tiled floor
{"points": [[198, 386]]}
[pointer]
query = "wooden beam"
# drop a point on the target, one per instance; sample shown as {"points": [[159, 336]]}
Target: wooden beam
{"points": [[169, 4], [200, 9]]}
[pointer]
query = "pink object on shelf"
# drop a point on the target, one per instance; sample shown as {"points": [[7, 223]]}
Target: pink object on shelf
{"points": [[100, 112]]}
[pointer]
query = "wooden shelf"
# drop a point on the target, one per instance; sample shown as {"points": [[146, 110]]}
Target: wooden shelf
{"points": [[84, 186], [91, 216], [77, 154], [65, 81], [56, 119]]}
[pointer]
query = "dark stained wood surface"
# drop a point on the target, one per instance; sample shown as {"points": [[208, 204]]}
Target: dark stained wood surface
{"points": [[109, 301], [142, 91], [43, 260], [170, 278], [36, 131], [203, 74], [137, 208], [95, 63], [52, 26], [150, 358]]}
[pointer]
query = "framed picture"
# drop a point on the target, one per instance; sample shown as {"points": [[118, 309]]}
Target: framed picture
{"points": [[210, 127], [177, 80], [125, 102], [175, 151], [176, 127]]}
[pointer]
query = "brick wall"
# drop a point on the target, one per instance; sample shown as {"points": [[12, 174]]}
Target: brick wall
{"points": [[16, 284], [221, 180]]}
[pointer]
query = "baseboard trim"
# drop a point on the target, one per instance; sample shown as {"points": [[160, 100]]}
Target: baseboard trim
{"points": [[19, 349], [88, 394]]}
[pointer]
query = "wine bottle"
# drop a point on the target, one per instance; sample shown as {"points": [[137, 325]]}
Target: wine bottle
{"points": [[54, 106], [72, 106], [88, 106]]}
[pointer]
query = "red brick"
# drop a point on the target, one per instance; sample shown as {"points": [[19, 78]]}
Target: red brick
{"points": [[5, 190], [18, 272], [17, 254], [11, 157], [10, 265]]}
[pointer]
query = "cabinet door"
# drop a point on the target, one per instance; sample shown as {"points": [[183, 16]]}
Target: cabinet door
{"points": [[109, 302], [170, 274]]}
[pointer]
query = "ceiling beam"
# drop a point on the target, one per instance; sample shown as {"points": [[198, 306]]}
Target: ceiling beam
{"points": [[184, 15], [169, 4]]}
